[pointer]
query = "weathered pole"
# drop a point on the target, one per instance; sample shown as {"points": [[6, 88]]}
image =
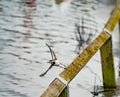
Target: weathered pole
{"points": [[65, 92], [59, 85], [108, 65], [109, 80], [56, 89], [117, 3]]}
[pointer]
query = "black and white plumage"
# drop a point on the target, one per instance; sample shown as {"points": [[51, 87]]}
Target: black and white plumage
{"points": [[54, 61]]}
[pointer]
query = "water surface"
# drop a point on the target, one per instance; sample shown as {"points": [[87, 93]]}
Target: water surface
{"points": [[25, 27]]}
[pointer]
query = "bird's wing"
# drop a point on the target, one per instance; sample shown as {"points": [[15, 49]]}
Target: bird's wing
{"points": [[50, 50], [52, 53], [46, 70]]}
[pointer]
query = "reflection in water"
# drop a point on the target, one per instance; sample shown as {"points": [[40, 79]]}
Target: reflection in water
{"points": [[31, 3], [28, 8], [84, 32], [28, 11]]}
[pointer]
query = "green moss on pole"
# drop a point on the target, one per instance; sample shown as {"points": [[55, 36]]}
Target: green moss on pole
{"points": [[109, 80]]}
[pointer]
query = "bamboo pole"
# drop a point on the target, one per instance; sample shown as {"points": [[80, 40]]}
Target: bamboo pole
{"points": [[57, 86], [117, 3], [109, 80], [55, 89], [113, 19], [72, 70], [65, 93]]}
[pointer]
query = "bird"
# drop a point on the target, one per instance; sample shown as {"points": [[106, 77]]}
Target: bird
{"points": [[54, 61]]}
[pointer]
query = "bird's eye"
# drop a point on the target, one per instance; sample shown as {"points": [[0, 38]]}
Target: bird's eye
{"points": [[53, 62]]}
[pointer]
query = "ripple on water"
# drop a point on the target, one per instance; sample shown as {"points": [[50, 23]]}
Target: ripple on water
{"points": [[25, 28]]}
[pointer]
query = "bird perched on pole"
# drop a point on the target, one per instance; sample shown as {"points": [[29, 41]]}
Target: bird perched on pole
{"points": [[54, 61]]}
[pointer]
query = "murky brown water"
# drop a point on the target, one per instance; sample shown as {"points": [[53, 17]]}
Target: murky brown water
{"points": [[25, 27]]}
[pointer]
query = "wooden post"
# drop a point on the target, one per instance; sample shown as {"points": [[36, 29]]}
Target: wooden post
{"points": [[56, 89], [65, 92], [71, 71], [108, 65], [117, 4], [113, 20]]}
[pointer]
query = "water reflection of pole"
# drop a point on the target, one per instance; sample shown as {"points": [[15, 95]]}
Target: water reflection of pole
{"points": [[31, 3], [28, 22], [28, 7]]}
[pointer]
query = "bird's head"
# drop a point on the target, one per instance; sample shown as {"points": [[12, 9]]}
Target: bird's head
{"points": [[54, 62]]}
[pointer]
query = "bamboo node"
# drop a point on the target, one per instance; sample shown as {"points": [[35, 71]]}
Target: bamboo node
{"points": [[106, 30], [62, 80]]}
